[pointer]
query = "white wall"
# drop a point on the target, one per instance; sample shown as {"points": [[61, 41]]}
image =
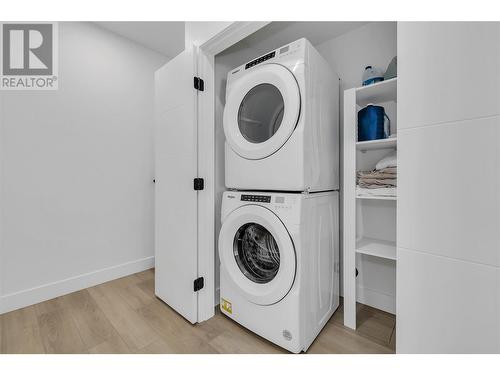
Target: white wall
{"points": [[448, 298], [77, 193], [372, 44], [1, 204]]}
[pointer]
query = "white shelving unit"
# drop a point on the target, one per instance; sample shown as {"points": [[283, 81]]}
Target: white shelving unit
{"points": [[369, 222], [379, 144], [379, 198], [376, 248], [380, 92]]}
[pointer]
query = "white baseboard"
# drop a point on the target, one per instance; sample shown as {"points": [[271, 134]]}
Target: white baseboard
{"points": [[45, 292], [376, 299]]}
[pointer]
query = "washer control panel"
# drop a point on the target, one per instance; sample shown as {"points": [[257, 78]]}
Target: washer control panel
{"points": [[283, 203], [256, 198]]}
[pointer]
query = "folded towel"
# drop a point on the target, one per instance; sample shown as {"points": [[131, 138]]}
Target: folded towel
{"points": [[390, 172], [389, 161], [377, 178], [367, 182]]}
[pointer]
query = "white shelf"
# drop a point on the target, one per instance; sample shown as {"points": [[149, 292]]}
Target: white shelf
{"points": [[376, 248], [380, 197], [379, 92], [378, 144], [363, 214]]}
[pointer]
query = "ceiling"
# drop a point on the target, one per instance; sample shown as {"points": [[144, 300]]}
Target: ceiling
{"points": [[280, 33], [277, 34], [166, 38]]}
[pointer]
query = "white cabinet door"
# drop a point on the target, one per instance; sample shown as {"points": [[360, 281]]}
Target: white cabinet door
{"points": [[448, 286], [452, 72], [176, 217]]}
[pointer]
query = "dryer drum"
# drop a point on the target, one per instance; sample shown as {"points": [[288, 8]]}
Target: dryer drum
{"points": [[260, 113], [256, 253]]}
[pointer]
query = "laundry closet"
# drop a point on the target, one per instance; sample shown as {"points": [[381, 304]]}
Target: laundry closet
{"points": [[270, 168], [348, 47]]}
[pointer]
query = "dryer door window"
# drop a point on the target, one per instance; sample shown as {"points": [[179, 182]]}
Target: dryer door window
{"points": [[256, 253], [261, 113], [262, 110]]}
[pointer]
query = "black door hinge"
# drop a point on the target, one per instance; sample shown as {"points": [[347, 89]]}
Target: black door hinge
{"points": [[198, 184], [198, 284], [199, 84]]}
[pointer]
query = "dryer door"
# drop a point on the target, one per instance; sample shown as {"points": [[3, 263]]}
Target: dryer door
{"points": [[262, 111], [258, 254]]}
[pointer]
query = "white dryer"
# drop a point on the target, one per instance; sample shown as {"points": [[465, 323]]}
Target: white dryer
{"points": [[279, 255], [281, 122]]}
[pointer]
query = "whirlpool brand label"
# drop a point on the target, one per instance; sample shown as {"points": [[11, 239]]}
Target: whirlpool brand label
{"points": [[29, 56], [226, 306]]}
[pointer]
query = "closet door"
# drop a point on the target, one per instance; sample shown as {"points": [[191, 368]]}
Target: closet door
{"points": [[448, 273], [176, 200]]}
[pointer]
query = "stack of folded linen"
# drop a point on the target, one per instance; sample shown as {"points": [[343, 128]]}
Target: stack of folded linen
{"points": [[383, 178], [381, 181]]}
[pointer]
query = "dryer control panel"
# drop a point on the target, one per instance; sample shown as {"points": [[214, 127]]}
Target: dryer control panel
{"points": [[289, 56], [260, 59]]}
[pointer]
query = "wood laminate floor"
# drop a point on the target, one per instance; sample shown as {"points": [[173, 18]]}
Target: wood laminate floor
{"points": [[124, 316]]}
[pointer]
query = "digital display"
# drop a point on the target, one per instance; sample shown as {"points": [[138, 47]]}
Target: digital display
{"points": [[284, 49], [256, 198], [260, 59]]}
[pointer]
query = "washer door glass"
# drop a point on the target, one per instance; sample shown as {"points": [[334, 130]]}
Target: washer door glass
{"points": [[256, 253], [260, 113]]}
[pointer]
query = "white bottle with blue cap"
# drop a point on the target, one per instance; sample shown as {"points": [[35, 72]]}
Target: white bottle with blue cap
{"points": [[372, 75]]}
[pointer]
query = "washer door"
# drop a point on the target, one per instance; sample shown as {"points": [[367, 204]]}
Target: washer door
{"points": [[258, 254], [262, 111]]}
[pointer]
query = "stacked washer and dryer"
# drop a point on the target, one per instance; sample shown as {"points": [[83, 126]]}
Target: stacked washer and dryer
{"points": [[279, 241]]}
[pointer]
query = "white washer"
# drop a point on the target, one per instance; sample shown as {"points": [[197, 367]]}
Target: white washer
{"points": [[279, 255], [281, 122]]}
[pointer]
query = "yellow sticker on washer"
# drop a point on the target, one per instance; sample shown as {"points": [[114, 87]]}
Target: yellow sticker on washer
{"points": [[226, 306]]}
